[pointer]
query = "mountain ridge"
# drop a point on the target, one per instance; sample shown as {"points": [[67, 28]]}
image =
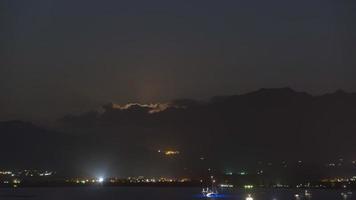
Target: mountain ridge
{"points": [[266, 124]]}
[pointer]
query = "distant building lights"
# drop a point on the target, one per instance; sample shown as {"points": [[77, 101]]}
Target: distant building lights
{"points": [[248, 186], [16, 181], [170, 153], [5, 172], [226, 185]]}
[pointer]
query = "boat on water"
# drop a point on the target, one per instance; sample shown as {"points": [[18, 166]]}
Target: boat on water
{"points": [[307, 194], [210, 192], [346, 195]]}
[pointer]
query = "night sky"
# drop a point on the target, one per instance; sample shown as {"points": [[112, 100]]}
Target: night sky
{"points": [[60, 57]]}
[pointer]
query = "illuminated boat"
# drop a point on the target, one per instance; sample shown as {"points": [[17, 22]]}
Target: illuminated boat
{"points": [[307, 194], [209, 192], [345, 195]]}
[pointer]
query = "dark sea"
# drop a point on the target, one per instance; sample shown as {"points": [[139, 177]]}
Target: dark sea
{"points": [[158, 193]]}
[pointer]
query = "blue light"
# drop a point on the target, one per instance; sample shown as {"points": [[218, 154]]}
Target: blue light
{"points": [[217, 196]]}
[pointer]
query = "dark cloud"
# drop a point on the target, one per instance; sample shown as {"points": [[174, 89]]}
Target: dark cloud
{"points": [[70, 56]]}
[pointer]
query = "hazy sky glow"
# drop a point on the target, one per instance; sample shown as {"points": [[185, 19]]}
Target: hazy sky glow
{"points": [[71, 56]]}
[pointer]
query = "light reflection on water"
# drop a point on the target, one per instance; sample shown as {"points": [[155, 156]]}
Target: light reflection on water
{"points": [[225, 196], [218, 196], [265, 194]]}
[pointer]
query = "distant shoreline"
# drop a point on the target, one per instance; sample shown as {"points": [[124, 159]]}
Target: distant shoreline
{"points": [[161, 186]]}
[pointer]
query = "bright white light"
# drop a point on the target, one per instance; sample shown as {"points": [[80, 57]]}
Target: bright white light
{"points": [[101, 179], [249, 197]]}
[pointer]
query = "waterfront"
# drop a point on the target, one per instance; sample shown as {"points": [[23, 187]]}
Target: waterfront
{"points": [[157, 193]]}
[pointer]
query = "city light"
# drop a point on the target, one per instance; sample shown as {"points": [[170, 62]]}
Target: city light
{"points": [[248, 186], [226, 185], [243, 173], [100, 179], [170, 153], [5, 172], [249, 197]]}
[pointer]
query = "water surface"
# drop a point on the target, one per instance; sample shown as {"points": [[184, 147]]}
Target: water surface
{"points": [[158, 193]]}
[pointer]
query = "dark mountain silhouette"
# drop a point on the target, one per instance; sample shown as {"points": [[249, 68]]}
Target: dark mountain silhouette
{"points": [[25, 145], [269, 125]]}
